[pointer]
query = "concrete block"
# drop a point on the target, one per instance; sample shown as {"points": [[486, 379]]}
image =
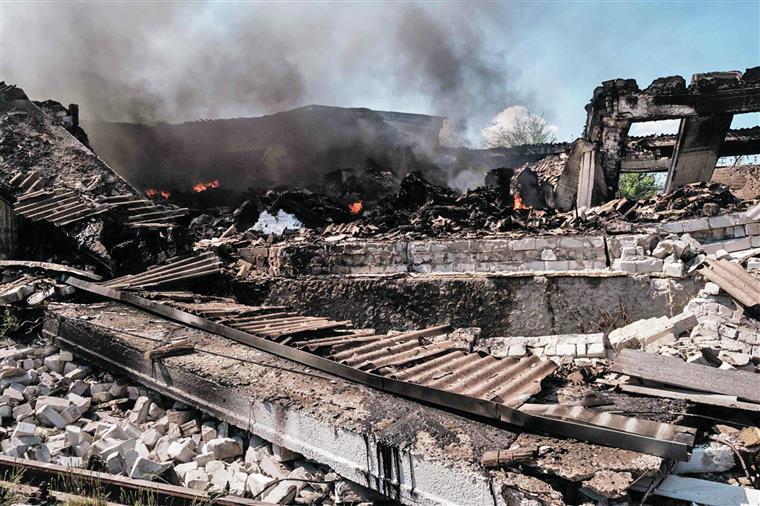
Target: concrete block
{"points": [[181, 470], [224, 448], [150, 437], [631, 252], [50, 417], [71, 414], [204, 458], [272, 467], [179, 417], [649, 265], [57, 403], [13, 396], [595, 350], [155, 412], [624, 265], [710, 458], [695, 225], [197, 479], [282, 493], [54, 364], [675, 269], [190, 428], [256, 483], [565, 350], [208, 433], [220, 479], [144, 469], [22, 411], [40, 453], [548, 255], [115, 464], [73, 435], [237, 483], [71, 462], [139, 412], [182, 450], [721, 221], [78, 387]]}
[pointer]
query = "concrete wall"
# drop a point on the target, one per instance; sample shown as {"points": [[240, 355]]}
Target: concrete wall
{"points": [[500, 305], [541, 253]]}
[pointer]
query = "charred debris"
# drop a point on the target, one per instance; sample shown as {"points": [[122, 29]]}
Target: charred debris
{"points": [[607, 350]]}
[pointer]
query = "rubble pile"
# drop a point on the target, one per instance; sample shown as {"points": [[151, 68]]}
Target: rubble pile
{"points": [[690, 201], [58, 410]]}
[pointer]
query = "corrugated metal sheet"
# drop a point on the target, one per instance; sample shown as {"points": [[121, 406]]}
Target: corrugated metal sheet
{"points": [[57, 207], [735, 281], [424, 357], [180, 269], [145, 213], [65, 207]]}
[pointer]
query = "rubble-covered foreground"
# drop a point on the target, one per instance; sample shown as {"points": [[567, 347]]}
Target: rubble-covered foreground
{"points": [[58, 410]]}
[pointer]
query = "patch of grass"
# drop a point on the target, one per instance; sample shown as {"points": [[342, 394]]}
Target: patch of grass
{"points": [[9, 490], [9, 323]]}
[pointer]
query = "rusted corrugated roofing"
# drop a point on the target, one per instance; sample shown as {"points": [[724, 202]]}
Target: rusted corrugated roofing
{"points": [[59, 208], [734, 280], [510, 381], [179, 269], [425, 357]]}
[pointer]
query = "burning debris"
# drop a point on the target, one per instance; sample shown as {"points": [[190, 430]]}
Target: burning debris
{"points": [[209, 185]]}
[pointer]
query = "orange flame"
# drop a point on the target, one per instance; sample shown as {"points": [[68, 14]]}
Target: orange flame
{"points": [[518, 203], [356, 207], [152, 192], [202, 187]]}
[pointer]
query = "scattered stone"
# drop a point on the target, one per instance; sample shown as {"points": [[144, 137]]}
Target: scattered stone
{"points": [[144, 469], [710, 458], [224, 448]]}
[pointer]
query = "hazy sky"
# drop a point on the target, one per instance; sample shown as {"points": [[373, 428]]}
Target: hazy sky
{"points": [[152, 61]]}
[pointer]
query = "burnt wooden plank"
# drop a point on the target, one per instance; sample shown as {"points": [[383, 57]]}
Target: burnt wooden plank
{"points": [[675, 372]]}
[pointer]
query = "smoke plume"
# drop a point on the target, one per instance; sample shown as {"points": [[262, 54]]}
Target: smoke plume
{"points": [[152, 62]]}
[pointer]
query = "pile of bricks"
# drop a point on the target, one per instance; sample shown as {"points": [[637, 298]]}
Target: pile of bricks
{"points": [[56, 410], [555, 347]]}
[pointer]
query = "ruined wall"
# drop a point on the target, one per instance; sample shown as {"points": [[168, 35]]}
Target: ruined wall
{"points": [[8, 231], [543, 253], [732, 232], [501, 305]]}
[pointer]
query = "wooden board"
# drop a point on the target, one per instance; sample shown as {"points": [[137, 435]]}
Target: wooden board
{"points": [[723, 401], [675, 372]]}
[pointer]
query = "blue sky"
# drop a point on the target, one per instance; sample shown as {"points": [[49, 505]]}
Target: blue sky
{"points": [[182, 61], [564, 50]]}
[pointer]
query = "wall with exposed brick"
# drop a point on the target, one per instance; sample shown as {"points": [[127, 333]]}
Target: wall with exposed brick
{"points": [[732, 232], [543, 253]]}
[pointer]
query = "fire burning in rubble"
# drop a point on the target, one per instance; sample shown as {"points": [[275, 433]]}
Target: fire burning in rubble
{"points": [[356, 207], [202, 187], [518, 203], [153, 193]]}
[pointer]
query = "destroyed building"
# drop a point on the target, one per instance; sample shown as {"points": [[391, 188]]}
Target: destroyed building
{"points": [[536, 340]]}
